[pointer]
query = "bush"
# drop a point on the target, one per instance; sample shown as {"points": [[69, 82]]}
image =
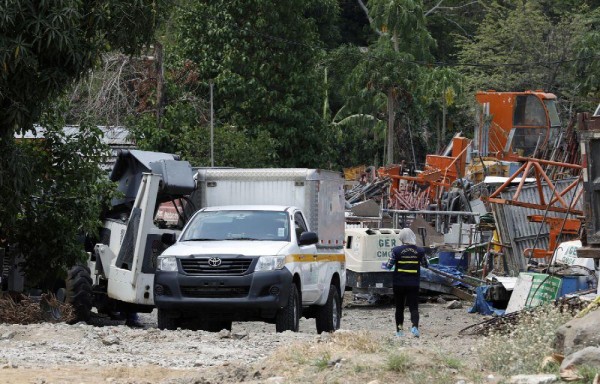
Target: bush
{"points": [[520, 348], [64, 202], [398, 362]]}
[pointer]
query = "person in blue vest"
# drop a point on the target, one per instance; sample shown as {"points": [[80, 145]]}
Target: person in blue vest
{"points": [[405, 261]]}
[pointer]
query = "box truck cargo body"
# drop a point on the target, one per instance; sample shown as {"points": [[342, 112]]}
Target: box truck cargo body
{"points": [[318, 193]]}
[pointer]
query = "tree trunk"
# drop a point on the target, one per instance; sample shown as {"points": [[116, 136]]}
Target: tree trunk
{"points": [[390, 131], [438, 135], [391, 106], [160, 82], [444, 112]]}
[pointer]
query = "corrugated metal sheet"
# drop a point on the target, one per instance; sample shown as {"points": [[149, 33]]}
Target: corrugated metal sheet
{"points": [[294, 174], [517, 232], [117, 138]]}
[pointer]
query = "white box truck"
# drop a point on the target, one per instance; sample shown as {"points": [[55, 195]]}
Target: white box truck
{"points": [[265, 245]]}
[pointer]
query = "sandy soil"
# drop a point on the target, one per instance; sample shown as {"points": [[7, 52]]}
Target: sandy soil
{"points": [[108, 351]]}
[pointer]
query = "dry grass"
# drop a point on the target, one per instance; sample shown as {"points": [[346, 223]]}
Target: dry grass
{"points": [[21, 309], [360, 357]]}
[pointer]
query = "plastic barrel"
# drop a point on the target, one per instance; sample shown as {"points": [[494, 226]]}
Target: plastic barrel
{"points": [[571, 284], [453, 259]]}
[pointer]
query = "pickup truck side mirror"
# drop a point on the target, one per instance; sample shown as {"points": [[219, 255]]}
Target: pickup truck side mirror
{"points": [[308, 238], [168, 238]]}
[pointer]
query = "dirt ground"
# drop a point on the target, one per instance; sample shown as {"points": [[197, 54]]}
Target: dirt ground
{"points": [[109, 352]]}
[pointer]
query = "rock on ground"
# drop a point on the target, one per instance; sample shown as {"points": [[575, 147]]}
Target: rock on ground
{"points": [[533, 379], [578, 333]]}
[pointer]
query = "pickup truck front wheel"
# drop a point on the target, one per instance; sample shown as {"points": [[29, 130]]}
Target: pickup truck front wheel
{"points": [[288, 317], [166, 321], [329, 316]]}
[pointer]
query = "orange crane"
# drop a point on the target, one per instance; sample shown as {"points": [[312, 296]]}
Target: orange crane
{"points": [[514, 126]]}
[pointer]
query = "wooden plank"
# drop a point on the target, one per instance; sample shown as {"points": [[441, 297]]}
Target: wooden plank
{"points": [[588, 253]]}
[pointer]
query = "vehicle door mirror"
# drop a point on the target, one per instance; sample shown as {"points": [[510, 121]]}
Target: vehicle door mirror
{"points": [[308, 238], [168, 238]]}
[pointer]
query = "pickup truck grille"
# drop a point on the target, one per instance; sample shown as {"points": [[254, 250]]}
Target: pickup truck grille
{"points": [[228, 266], [217, 292]]}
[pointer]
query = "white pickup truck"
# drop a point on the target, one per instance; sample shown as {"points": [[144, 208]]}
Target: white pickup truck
{"points": [[260, 261]]}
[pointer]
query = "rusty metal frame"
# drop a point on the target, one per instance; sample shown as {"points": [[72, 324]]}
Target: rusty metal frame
{"points": [[529, 165]]}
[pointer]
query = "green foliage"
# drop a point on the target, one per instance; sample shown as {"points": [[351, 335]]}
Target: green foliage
{"points": [[404, 23], [263, 57], [50, 188], [64, 200], [183, 133], [519, 46], [357, 114], [588, 373], [448, 20], [442, 89], [322, 361], [16, 181], [587, 48], [46, 45], [354, 25], [398, 362]]}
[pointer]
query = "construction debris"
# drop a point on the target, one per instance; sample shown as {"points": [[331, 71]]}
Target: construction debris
{"points": [[21, 309]]}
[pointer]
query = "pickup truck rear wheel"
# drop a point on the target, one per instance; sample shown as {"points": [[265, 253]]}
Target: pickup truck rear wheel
{"points": [[166, 320], [329, 316], [288, 317]]}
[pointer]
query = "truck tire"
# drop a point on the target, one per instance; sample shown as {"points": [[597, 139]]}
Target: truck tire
{"points": [[166, 321], [79, 292], [288, 317], [329, 316]]}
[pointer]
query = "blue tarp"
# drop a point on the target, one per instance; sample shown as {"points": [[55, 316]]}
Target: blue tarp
{"points": [[432, 277], [482, 305]]}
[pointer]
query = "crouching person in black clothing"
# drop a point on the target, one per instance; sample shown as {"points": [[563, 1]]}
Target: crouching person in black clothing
{"points": [[405, 261]]}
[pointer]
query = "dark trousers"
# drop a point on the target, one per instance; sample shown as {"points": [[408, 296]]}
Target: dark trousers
{"points": [[406, 296]]}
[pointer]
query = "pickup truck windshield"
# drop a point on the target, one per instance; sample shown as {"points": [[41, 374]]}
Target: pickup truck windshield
{"points": [[238, 225]]}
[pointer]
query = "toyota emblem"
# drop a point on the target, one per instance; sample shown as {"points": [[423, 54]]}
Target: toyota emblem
{"points": [[214, 261]]}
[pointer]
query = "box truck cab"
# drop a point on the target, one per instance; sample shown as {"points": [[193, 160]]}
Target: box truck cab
{"points": [[261, 261]]}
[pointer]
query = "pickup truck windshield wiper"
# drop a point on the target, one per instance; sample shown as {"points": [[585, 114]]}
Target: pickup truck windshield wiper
{"points": [[202, 239], [243, 238]]}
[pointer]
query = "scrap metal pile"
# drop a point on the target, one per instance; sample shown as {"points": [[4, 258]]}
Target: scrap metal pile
{"points": [[377, 190], [504, 201]]}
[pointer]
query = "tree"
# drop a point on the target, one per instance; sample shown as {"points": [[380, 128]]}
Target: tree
{"points": [[390, 65], [46, 45], [523, 46], [263, 57], [64, 201], [185, 131], [449, 19], [442, 86], [588, 63]]}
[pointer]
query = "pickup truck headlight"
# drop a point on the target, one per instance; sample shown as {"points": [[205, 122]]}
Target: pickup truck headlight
{"points": [[269, 263], [167, 264]]}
